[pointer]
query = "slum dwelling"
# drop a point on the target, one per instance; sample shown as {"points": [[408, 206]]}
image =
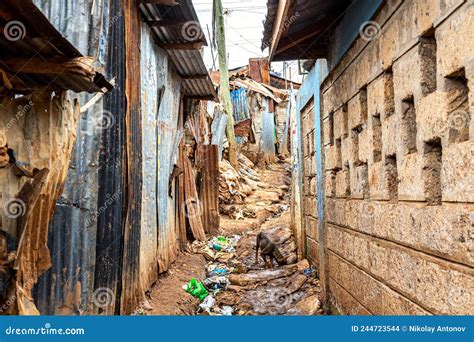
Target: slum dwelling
{"points": [[38, 129], [98, 196]]}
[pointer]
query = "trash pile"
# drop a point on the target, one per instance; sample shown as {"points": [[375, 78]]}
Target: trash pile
{"points": [[220, 253], [235, 186]]}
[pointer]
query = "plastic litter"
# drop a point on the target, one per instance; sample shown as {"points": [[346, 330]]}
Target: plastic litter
{"points": [[308, 271], [217, 247], [207, 304], [221, 280], [196, 289], [224, 244], [226, 311]]}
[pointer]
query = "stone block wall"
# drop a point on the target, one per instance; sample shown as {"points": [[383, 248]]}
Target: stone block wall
{"points": [[398, 145], [310, 206]]}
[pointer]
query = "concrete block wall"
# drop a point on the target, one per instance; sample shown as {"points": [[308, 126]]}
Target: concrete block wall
{"points": [[310, 211], [398, 145]]}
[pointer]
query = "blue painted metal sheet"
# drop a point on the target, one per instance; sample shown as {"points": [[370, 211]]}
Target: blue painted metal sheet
{"points": [[310, 89], [268, 130], [349, 27], [240, 104]]}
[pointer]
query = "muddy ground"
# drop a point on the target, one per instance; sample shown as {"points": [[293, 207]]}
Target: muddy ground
{"points": [[244, 287]]}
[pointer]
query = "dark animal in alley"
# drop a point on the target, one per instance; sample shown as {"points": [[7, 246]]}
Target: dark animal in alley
{"points": [[268, 249]]}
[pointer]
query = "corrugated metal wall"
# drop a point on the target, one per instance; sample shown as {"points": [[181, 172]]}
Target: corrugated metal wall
{"points": [[151, 65], [106, 239], [240, 104], [111, 201], [268, 130], [67, 287], [168, 114]]}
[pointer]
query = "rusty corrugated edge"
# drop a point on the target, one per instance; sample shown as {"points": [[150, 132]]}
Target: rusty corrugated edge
{"points": [[54, 44], [186, 62]]}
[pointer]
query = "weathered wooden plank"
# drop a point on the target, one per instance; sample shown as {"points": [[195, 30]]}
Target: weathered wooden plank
{"points": [[193, 204], [209, 191]]}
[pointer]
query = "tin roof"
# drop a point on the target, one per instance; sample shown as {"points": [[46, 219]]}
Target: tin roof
{"points": [[177, 30], [294, 29], [33, 53]]}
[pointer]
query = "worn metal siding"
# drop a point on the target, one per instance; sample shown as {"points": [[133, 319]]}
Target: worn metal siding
{"points": [[349, 27], [150, 59], [268, 130], [240, 104], [132, 291], [168, 114], [209, 192], [109, 245], [68, 286]]}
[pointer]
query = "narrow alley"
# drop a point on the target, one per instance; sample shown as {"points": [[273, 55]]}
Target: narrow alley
{"points": [[238, 285], [236, 158]]}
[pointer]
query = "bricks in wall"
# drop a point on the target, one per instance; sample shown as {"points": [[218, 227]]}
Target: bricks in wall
{"points": [[398, 138]]}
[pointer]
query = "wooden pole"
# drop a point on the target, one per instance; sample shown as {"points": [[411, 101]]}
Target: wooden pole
{"points": [[224, 86]]}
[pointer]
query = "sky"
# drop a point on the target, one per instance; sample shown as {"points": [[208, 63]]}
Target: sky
{"points": [[244, 31]]}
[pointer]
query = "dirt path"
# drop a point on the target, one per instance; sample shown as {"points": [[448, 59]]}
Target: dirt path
{"points": [[236, 284]]}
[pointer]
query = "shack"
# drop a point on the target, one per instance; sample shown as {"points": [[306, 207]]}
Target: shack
{"points": [[260, 104], [92, 193]]}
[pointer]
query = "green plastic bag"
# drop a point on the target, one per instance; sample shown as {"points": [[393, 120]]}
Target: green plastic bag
{"points": [[197, 289], [222, 240]]}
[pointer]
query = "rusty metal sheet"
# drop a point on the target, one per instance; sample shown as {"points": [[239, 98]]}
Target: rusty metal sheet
{"points": [[150, 98], [168, 114], [243, 128], [68, 286], [209, 192], [31, 36], [44, 138], [132, 290]]}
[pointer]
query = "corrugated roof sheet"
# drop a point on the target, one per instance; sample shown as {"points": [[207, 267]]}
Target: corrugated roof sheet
{"points": [[30, 36], [188, 63]]}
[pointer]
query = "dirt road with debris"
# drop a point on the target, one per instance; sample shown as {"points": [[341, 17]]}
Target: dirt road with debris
{"points": [[225, 265]]}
